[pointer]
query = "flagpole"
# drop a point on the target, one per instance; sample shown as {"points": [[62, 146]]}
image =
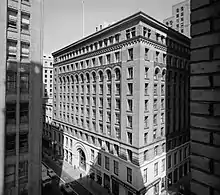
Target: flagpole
{"points": [[83, 18]]}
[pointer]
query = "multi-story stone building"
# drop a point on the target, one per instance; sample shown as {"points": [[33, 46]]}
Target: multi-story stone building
{"points": [[20, 99], [180, 19], [110, 95], [48, 100]]}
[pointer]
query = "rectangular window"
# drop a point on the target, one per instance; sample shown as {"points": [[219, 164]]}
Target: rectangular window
{"points": [[129, 138], [175, 158], [146, 105], [108, 102], [12, 49], [130, 73], [117, 104], [145, 138], [10, 175], [130, 88], [100, 60], [11, 78], [24, 83], [117, 118], [129, 175], [117, 133], [130, 54], [25, 50], [129, 104], [145, 175], [117, 89], [129, 121], [23, 170], [157, 56], [100, 102], [116, 167], [24, 112], [169, 161], [163, 165], [155, 89], [145, 155], [129, 155], [128, 34], [146, 122], [25, 22], [146, 54], [101, 89], [12, 18], [106, 162], [109, 89], [154, 134], [117, 59], [23, 142], [155, 104], [108, 58], [108, 119], [162, 117], [146, 89], [146, 72], [10, 144], [155, 119], [133, 32], [99, 159], [155, 169]]}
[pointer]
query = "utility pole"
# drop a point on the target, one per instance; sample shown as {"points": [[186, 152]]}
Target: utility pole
{"points": [[83, 18]]}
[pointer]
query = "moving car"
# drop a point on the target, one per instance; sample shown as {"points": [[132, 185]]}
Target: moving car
{"points": [[51, 173], [67, 190]]}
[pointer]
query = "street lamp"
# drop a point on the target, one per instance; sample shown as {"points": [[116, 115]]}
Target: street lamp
{"points": [[54, 148]]}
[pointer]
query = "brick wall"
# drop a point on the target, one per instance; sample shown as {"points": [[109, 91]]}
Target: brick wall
{"points": [[205, 97]]}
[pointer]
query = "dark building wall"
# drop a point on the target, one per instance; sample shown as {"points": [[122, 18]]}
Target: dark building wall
{"points": [[205, 97]]}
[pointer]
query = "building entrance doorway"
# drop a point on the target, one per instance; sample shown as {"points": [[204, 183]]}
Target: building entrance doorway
{"points": [[82, 159]]}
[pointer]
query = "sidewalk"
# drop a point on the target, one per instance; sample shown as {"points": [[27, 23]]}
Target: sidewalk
{"points": [[85, 181]]}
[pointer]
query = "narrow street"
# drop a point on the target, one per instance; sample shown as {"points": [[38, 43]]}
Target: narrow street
{"points": [[66, 177]]}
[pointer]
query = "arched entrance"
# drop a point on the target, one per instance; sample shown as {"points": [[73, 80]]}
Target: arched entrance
{"points": [[82, 159]]}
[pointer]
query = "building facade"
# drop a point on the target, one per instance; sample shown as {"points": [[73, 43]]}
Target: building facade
{"points": [[180, 19], [205, 102], [20, 88], [48, 100], [111, 91]]}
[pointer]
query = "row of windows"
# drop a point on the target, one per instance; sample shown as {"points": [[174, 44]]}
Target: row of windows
{"points": [[12, 49], [10, 143], [13, 20], [10, 175], [11, 82], [11, 113], [129, 33], [89, 48], [110, 58]]}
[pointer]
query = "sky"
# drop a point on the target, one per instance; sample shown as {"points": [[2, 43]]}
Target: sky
{"points": [[63, 18]]}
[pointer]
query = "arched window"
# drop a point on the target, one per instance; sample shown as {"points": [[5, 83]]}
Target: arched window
{"points": [[163, 74], [117, 74], [108, 74], [156, 73], [87, 77], [100, 76], [93, 77]]}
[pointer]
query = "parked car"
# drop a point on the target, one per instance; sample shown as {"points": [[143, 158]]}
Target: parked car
{"points": [[51, 173], [67, 190]]}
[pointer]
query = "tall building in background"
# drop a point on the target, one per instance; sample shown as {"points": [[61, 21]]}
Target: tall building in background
{"points": [[205, 101], [180, 19], [121, 106], [20, 96], [47, 100]]}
